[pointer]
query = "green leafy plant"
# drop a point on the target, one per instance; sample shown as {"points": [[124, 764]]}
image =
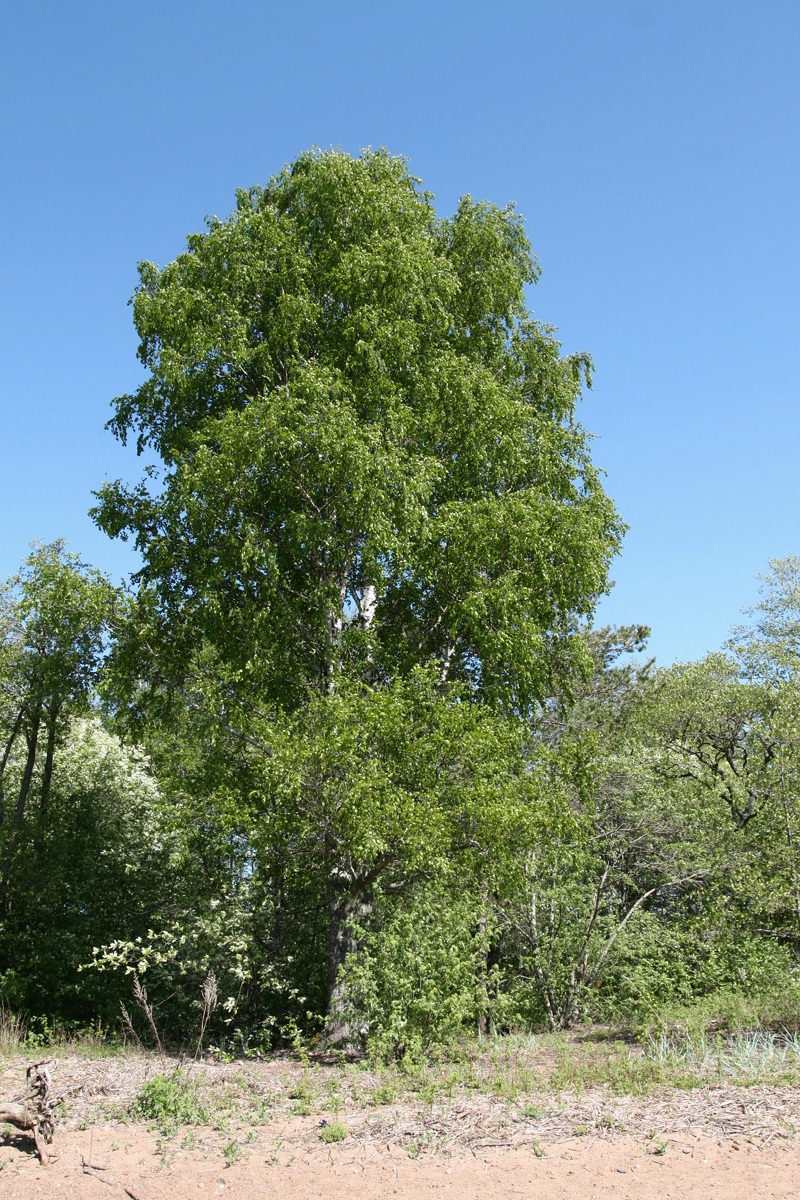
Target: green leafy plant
{"points": [[231, 1151], [333, 1132], [169, 1101]]}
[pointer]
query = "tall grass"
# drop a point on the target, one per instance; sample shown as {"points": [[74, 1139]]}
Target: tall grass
{"points": [[737, 1057], [12, 1031], [731, 1012]]}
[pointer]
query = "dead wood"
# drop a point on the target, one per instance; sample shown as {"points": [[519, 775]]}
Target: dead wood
{"points": [[35, 1111]]}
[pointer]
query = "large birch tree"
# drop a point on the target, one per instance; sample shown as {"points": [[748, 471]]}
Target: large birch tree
{"points": [[369, 471]]}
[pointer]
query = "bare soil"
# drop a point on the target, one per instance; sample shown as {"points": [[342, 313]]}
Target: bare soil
{"points": [[715, 1141]]}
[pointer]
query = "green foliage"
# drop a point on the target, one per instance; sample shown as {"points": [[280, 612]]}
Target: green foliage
{"points": [[412, 981], [99, 859], [169, 1101], [374, 523], [369, 446], [768, 648], [335, 1132], [54, 620], [231, 1152], [395, 788]]}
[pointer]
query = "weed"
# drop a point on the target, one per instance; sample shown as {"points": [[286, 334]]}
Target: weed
{"points": [[231, 1152], [384, 1093], [581, 1131], [169, 1101], [538, 1149], [302, 1090], [189, 1141], [658, 1147], [140, 995], [508, 1088], [335, 1132], [165, 1150], [12, 1031], [302, 1108], [208, 996]]}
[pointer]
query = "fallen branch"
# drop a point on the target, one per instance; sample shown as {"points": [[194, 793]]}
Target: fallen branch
{"points": [[35, 1111]]}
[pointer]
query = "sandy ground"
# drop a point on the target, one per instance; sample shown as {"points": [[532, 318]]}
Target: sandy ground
{"points": [[716, 1141], [620, 1167]]}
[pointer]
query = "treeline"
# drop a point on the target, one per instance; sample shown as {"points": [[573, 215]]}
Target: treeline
{"points": [[349, 743]]}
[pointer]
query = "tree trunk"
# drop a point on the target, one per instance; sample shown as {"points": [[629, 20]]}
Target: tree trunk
{"points": [[47, 772], [4, 761], [47, 779], [346, 912], [19, 812], [483, 962]]}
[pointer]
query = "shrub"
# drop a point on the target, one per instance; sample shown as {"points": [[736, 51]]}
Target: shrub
{"points": [[335, 1132], [169, 1101]]}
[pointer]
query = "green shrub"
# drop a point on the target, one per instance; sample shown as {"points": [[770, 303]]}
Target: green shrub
{"points": [[169, 1101], [411, 985], [335, 1132]]}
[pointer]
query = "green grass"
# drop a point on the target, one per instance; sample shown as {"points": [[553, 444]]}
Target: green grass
{"points": [[748, 1056], [731, 1012], [512, 1068], [524, 1075]]}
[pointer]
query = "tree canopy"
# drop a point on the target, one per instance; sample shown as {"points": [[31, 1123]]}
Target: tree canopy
{"points": [[370, 456]]}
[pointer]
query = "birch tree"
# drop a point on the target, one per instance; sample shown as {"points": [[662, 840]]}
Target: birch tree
{"points": [[368, 464]]}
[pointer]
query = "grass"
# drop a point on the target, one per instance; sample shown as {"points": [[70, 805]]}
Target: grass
{"points": [[730, 1012], [231, 1151], [513, 1068], [12, 1031], [754, 1055], [39, 1034], [539, 1079]]}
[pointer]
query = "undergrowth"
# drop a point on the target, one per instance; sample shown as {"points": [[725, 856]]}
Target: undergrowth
{"points": [[170, 1101]]}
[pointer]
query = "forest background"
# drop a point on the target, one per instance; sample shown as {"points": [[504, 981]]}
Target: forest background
{"points": [[357, 708]]}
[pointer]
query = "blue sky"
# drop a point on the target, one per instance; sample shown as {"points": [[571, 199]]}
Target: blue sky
{"points": [[652, 148]]}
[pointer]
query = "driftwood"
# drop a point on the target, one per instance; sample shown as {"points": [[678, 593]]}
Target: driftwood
{"points": [[35, 1111]]}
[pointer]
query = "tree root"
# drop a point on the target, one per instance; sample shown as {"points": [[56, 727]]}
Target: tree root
{"points": [[35, 1111]]}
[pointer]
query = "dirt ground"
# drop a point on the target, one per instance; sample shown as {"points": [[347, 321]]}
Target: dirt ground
{"points": [[718, 1141], [695, 1167]]}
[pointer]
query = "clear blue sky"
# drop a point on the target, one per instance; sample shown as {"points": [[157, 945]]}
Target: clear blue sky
{"points": [[651, 146]]}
